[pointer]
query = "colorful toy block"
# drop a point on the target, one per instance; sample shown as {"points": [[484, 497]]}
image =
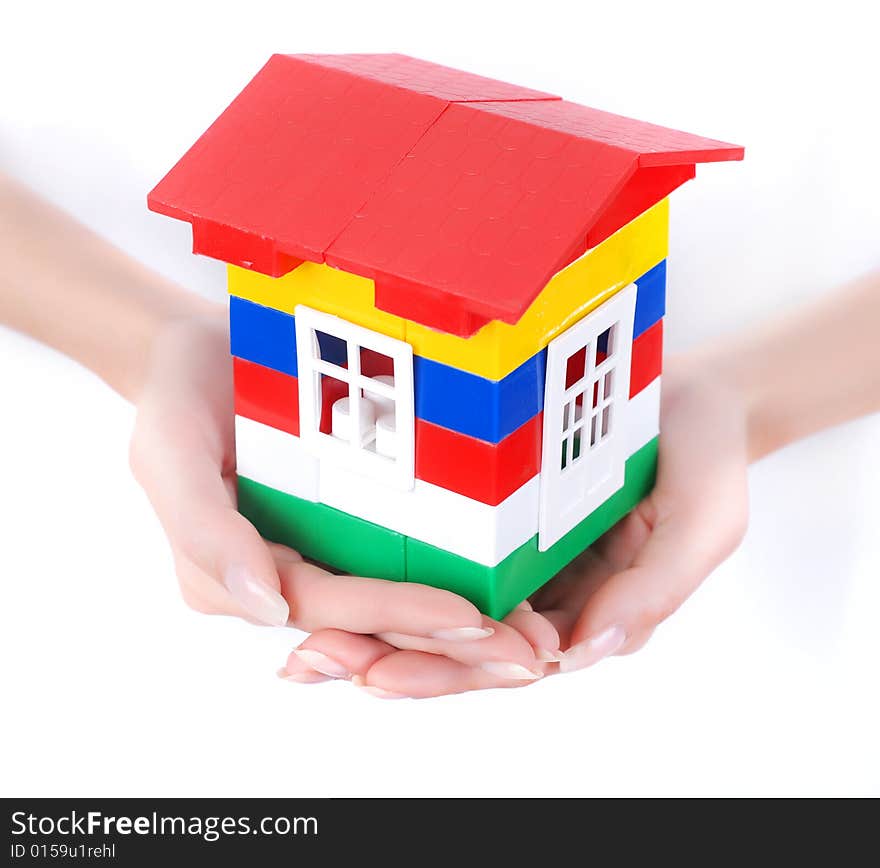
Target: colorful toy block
{"points": [[266, 395], [650, 299], [647, 358], [446, 314], [488, 472]]}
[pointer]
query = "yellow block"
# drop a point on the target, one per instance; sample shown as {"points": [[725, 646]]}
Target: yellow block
{"points": [[498, 348]]}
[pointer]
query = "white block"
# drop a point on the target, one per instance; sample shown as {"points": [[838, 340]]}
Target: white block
{"points": [[442, 518], [275, 458], [340, 420], [386, 439], [643, 417]]}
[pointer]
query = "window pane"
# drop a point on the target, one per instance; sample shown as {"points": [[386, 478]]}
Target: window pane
{"points": [[332, 390], [575, 367], [332, 349], [606, 420], [374, 364], [605, 344]]}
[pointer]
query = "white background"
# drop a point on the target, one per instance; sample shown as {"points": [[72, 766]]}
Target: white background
{"points": [[765, 683]]}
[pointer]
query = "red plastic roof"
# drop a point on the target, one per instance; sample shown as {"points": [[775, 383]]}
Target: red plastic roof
{"points": [[430, 79], [459, 195]]}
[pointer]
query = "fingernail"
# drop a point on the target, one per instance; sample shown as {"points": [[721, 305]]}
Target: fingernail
{"points": [[525, 606], [462, 634], [544, 655], [302, 677], [260, 601], [593, 650], [509, 670], [378, 692], [322, 663]]}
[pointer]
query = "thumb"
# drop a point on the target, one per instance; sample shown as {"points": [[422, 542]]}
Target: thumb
{"points": [[621, 614], [229, 551], [234, 567], [700, 507]]}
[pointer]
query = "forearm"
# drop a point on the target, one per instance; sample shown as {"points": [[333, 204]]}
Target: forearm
{"points": [[809, 370], [71, 289]]}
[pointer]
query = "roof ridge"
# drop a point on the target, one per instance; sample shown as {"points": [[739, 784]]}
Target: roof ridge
{"points": [[381, 183], [315, 60]]}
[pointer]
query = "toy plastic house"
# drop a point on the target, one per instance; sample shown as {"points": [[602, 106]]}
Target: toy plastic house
{"points": [[446, 314]]}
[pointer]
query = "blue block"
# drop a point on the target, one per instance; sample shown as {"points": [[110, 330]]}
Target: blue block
{"points": [[486, 409], [650, 298], [262, 335]]}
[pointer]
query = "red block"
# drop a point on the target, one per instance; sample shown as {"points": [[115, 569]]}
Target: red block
{"points": [[266, 395], [647, 358], [488, 472]]}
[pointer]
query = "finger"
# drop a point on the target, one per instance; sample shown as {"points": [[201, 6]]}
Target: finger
{"points": [[334, 654], [505, 652], [563, 620], [537, 631], [320, 600], [184, 482], [636, 642], [419, 675]]}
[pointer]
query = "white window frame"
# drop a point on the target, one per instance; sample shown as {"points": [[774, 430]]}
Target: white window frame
{"points": [[397, 471], [574, 487]]}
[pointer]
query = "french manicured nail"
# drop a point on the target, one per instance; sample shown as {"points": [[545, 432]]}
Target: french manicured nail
{"points": [[593, 650], [378, 692], [260, 601], [462, 634], [503, 669], [322, 663], [303, 677], [544, 655]]}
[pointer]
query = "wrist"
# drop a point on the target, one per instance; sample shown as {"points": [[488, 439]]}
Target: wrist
{"points": [[151, 309], [729, 369]]}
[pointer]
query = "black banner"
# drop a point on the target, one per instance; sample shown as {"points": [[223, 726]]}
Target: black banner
{"points": [[135, 832]]}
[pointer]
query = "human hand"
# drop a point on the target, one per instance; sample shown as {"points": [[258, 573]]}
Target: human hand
{"points": [[183, 454], [611, 598]]}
